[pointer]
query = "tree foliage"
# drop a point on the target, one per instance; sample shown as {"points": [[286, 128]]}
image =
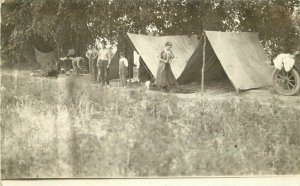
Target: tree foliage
{"points": [[62, 24]]}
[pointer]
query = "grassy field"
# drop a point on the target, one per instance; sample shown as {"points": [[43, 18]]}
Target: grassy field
{"points": [[68, 127]]}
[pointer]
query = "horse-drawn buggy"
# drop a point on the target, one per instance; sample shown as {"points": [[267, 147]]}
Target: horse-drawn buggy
{"points": [[286, 76]]}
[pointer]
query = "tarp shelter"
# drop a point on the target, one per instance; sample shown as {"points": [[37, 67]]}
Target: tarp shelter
{"points": [[240, 56], [150, 47], [46, 60]]}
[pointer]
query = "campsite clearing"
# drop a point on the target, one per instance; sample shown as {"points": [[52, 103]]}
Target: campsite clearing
{"points": [[214, 89]]}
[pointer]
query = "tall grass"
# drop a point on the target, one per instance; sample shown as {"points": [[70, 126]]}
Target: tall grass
{"points": [[75, 129]]}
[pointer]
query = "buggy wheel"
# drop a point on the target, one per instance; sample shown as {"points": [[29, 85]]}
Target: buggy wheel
{"points": [[286, 83]]}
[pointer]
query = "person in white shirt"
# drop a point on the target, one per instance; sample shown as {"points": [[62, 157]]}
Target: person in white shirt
{"points": [[103, 62], [75, 61], [91, 54], [136, 57], [76, 64], [123, 64]]}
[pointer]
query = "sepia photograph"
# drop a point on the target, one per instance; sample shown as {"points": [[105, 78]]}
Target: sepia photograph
{"points": [[97, 89]]}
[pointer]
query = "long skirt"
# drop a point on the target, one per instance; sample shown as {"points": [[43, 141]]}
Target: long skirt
{"points": [[165, 77], [123, 72]]}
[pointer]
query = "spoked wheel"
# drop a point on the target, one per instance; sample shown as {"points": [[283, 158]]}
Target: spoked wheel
{"points": [[286, 83]]}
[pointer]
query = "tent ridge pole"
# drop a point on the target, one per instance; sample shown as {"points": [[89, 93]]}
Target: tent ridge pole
{"points": [[203, 63]]}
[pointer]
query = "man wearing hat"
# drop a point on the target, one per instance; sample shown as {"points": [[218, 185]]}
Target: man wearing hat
{"points": [[104, 59]]}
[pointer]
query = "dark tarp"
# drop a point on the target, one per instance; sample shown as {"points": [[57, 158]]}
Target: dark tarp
{"points": [[238, 55], [47, 61]]}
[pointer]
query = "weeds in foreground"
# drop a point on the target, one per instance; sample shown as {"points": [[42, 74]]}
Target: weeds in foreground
{"points": [[75, 131]]}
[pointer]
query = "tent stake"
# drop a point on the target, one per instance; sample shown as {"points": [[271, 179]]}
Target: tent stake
{"points": [[203, 64]]}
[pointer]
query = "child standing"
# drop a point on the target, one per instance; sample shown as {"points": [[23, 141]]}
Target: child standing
{"points": [[123, 64]]}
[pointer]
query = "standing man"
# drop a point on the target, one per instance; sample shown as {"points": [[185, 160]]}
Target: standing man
{"points": [[91, 54], [104, 59]]}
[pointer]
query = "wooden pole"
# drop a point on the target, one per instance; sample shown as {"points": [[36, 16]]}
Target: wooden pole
{"points": [[203, 63]]}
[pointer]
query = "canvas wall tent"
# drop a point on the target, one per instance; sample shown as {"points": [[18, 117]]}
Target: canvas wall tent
{"points": [[150, 47], [239, 56]]}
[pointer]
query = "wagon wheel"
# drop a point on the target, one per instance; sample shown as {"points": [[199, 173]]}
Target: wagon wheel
{"points": [[286, 83]]}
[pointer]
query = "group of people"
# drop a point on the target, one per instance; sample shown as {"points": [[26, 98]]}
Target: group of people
{"points": [[165, 78], [99, 62]]}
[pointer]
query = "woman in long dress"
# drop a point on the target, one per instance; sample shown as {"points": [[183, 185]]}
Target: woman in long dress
{"points": [[165, 78]]}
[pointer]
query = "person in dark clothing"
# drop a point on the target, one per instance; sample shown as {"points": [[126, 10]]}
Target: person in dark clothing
{"points": [[103, 62], [165, 78], [91, 54]]}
